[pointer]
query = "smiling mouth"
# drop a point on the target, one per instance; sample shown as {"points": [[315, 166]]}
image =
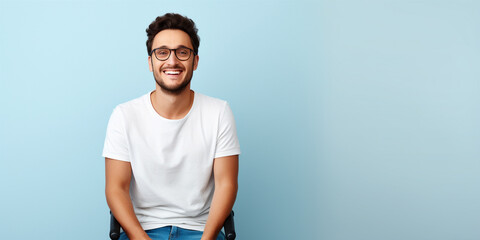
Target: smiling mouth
{"points": [[172, 72]]}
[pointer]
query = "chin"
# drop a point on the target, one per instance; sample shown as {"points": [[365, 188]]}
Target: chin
{"points": [[175, 89]]}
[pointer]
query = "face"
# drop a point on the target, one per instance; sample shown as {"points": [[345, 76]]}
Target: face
{"points": [[172, 75]]}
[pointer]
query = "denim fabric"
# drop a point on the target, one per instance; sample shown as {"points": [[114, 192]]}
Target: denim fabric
{"points": [[173, 233]]}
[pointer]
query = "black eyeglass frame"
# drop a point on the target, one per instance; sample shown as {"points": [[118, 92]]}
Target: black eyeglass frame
{"points": [[170, 53]]}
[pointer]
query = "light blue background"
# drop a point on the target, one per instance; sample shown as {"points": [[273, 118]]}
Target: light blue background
{"points": [[357, 119]]}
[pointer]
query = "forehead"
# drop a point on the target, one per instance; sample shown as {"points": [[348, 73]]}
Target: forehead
{"points": [[171, 38]]}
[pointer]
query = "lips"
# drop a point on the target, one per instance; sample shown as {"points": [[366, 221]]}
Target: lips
{"points": [[172, 71]]}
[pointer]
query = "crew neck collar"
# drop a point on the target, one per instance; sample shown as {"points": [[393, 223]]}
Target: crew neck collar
{"points": [[149, 103]]}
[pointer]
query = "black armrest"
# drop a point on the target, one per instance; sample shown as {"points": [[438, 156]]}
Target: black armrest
{"points": [[114, 228], [228, 226]]}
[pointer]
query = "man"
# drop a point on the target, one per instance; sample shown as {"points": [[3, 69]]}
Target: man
{"points": [[171, 155]]}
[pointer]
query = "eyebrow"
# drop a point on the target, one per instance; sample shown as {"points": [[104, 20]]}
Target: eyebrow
{"points": [[179, 46]]}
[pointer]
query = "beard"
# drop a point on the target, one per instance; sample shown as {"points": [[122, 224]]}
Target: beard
{"points": [[174, 89]]}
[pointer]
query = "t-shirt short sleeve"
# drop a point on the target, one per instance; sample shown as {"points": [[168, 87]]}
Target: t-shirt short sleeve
{"points": [[116, 143], [227, 140]]}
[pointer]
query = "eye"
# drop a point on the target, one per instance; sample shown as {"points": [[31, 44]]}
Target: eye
{"points": [[183, 51], [162, 52]]}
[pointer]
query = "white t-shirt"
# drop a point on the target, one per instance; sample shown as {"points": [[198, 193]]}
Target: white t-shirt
{"points": [[172, 160]]}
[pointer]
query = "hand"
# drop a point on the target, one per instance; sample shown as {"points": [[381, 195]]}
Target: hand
{"points": [[142, 237]]}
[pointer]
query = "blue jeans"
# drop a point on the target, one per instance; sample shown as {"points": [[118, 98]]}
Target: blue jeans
{"points": [[173, 233]]}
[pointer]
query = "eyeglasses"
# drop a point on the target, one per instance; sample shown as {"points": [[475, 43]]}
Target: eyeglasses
{"points": [[162, 54]]}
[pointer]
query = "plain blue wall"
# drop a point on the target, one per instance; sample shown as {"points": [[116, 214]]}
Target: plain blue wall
{"points": [[357, 119]]}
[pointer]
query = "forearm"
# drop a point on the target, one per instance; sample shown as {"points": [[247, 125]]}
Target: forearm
{"points": [[121, 206], [222, 203]]}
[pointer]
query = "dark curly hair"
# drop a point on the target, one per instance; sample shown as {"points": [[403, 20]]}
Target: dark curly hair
{"points": [[173, 21]]}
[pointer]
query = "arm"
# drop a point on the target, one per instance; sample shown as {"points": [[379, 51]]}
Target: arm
{"points": [[117, 186], [225, 171]]}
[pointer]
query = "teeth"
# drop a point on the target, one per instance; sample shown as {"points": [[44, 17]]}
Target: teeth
{"points": [[172, 72]]}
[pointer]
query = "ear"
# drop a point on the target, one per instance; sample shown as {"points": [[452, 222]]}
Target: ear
{"points": [[195, 62], [150, 63]]}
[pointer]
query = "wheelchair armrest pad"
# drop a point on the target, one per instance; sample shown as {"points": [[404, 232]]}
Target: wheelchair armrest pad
{"points": [[114, 228], [229, 227]]}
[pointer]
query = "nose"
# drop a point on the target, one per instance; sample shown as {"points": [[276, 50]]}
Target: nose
{"points": [[172, 60]]}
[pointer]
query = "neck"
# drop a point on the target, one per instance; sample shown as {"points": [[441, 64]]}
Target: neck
{"points": [[172, 106]]}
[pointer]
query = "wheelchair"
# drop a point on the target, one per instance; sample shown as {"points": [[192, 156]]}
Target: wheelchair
{"points": [[228, 227]]}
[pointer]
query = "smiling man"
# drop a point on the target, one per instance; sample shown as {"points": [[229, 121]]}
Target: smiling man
{"points": [[171, 155]]}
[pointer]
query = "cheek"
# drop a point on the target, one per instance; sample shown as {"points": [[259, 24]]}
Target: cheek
{"points": [[156, 68]]}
